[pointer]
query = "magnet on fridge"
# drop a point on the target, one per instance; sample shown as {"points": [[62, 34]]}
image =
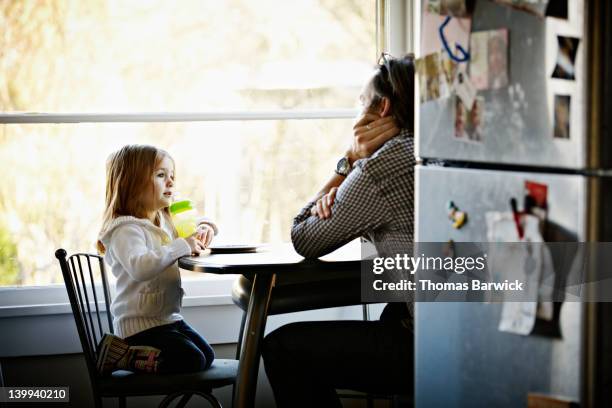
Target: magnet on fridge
{"points": [[459, 218]]}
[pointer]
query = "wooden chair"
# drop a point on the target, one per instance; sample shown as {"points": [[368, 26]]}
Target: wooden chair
{"points": [[89, 303]]}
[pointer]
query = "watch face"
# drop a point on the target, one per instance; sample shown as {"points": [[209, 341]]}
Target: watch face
{"points": [[343, 166]]}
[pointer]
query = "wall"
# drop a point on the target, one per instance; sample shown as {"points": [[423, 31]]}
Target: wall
{"points": [[44, 350]]}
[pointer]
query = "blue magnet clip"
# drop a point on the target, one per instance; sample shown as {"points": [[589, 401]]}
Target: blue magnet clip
{"points": [[465, 56]]}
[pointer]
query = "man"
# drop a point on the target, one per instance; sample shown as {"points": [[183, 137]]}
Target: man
{"points": [[370, 195]]}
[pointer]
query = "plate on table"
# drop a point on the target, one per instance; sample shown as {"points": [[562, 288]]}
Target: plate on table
{"points": [[233, 248]]}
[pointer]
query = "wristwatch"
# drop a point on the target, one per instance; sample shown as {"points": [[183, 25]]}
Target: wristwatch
{"points": [[343, 167]]}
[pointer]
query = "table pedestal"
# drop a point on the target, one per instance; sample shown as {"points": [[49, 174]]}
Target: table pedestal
{"points": [[255, 325]]}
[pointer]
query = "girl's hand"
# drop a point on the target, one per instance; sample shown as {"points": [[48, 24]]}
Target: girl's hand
{"points": [[369, 134], [205, 234], [195, 244], [322, 208]]}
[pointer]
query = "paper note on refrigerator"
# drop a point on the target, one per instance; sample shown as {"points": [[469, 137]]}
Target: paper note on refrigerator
{"points": [[456, 32], [489, 59], [465, 88], [525, 259]]}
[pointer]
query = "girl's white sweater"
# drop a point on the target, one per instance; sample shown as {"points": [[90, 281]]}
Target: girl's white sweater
{"points": [[143, 258]]}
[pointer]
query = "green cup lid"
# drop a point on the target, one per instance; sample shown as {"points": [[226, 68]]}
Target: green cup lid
{"points": [[180, 206]]}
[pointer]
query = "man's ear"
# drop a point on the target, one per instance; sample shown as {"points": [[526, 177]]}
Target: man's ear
{"points": [[384, 108]]}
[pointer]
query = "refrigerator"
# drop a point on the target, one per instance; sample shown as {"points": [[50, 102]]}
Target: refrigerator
{"points": [[461, 358]]}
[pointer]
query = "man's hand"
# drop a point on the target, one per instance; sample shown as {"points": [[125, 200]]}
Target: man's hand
{"points": [[369, 134], [322, 207]]}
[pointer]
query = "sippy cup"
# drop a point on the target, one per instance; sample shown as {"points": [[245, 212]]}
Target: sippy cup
{"points": [[184, 217]]}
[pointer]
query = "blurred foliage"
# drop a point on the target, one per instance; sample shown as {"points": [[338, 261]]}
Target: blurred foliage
{"points": [[9, 269], [252, 177]]}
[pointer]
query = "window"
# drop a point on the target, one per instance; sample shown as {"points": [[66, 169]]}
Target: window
{"points": [[210, 72]]}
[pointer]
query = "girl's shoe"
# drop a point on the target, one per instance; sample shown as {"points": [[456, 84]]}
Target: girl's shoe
{"points": [[116, 354], [144, 359], [111, 350]]}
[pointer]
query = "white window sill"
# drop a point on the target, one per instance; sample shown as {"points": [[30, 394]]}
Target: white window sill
{"points": [[53, 300], [64, 308]]}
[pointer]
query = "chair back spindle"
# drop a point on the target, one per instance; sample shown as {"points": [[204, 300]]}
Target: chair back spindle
{"points": [[89, 301]]}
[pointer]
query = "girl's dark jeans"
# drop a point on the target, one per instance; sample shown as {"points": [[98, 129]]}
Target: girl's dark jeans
{"points": [[183, 350]]}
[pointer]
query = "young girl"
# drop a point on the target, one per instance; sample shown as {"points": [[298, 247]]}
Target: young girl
{"points": [[140, 244]]}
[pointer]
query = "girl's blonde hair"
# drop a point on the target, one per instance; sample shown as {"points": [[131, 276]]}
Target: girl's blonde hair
{"points": [[128, 178]]}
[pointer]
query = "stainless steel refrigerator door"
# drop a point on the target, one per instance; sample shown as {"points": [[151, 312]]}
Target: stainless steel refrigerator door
{"points": [[462, 360], [518, 119]]}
